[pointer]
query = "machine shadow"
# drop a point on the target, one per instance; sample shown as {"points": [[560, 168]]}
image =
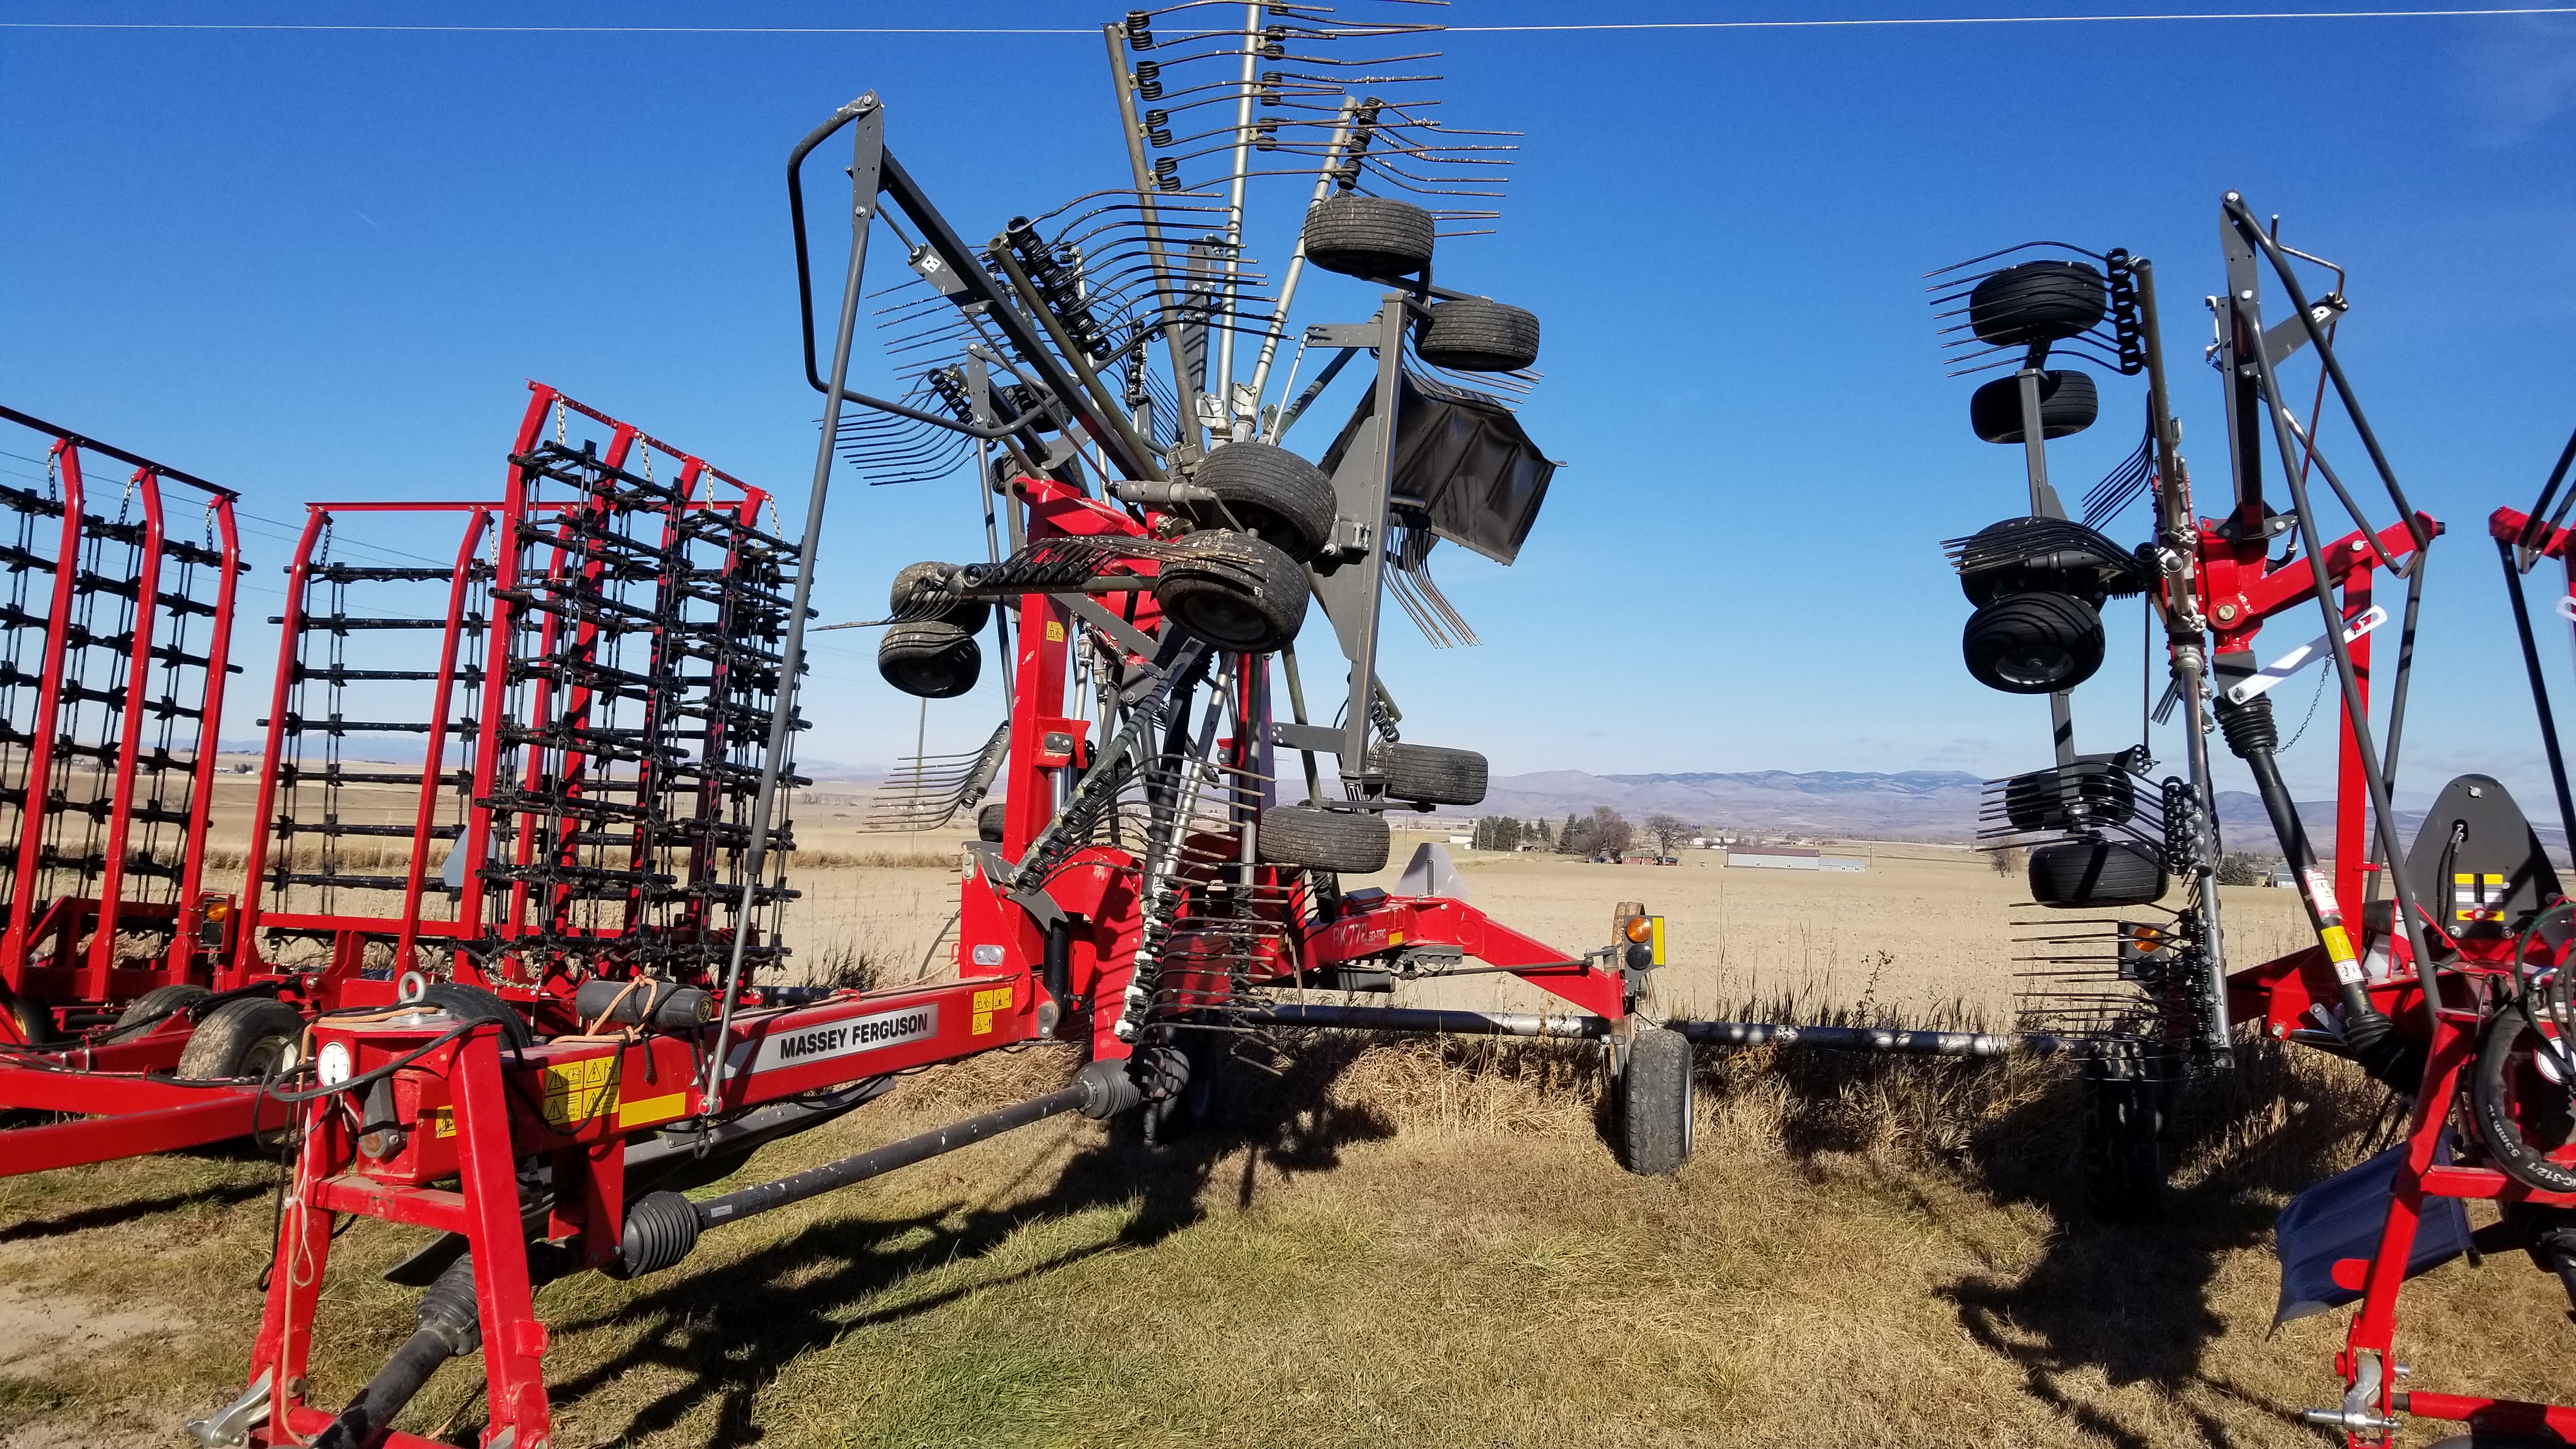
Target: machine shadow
{"points": [[2127, 1290], [729, 1342]]}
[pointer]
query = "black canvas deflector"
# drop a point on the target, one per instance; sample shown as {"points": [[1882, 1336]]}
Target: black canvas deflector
{"points": [[1479, 478]]}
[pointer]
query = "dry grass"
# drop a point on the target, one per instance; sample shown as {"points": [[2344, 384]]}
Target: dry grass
{"points": [[1391, 1241]]}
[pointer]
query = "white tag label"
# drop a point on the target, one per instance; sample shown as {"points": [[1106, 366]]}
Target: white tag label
{"points": [[2322, 893], [847, 1037]]}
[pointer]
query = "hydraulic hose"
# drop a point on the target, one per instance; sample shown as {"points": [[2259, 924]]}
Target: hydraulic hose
{"points": [[2367, 1031]]}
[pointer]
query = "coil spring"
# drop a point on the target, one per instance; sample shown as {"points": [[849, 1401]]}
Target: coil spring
{"points": [[1158, 127], [1265, 134], [1149, 79], [1167, 173], [2187, 843], [1274, 42], [1272, 82], [1140, 29], [2128, 328]]}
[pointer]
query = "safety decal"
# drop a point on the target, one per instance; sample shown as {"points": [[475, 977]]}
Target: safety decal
{"points": [[987, 1002]]}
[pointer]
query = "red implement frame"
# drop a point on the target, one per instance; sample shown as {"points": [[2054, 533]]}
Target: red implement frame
{"points": [[509, 619], [1206, 968]]}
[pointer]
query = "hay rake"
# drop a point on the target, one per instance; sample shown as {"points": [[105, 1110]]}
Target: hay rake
{"points": [[2436, 966]]}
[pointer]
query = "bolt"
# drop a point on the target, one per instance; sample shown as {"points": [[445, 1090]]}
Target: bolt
{"points": [[295, 1387], [2225, 612]]}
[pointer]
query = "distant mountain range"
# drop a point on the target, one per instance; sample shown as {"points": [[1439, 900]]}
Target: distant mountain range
{"points": [[1910, 804]]}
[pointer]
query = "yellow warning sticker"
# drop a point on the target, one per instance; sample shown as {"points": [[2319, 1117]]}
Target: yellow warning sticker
{"points": [[1055, 631], [2338, 945], [652, 1111], [442, 1121], [579, 1091], [987, 1002]]}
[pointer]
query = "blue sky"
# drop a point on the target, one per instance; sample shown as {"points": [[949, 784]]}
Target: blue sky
{"points": [[322, 264]]}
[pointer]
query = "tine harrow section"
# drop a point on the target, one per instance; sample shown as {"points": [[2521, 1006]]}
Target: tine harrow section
{"points": [[533, 754], [115, 631]]}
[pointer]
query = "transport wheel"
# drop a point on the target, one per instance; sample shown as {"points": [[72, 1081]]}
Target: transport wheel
{"points": [[155, 1006], [932, 659], [2067, 405], [2075, 797], [2091, 873], [1279, 497], [1233, 590], [250, 1036], [1474, 334], [1654, 1103], [473, 1003], [1430, 775], [1368, 236], [2037, 302], [988, 821], [968, 614], [2125, 1159], [2033, 643], [1345, 842]]}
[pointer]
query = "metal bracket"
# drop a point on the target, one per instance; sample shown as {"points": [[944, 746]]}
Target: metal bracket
{"points": [[229, 1427], [1319, 739], [2262, 680], [1092, 612]]}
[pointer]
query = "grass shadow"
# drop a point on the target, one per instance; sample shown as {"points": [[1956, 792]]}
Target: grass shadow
{"points": [[728, 1342]]}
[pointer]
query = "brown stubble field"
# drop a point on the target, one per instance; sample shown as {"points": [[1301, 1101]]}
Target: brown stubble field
{"points": [[1389, 1242]]}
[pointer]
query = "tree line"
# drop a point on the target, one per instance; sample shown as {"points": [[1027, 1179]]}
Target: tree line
{"points": [[1603, 832]]}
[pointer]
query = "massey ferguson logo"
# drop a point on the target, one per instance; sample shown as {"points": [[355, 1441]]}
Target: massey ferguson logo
{"points": [[847, 1038]]}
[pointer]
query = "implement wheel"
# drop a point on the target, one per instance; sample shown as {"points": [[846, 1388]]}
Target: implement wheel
{"points": [[1473, 334], [1233, 590], [1341, 841], [931, 659], [1370, 237], [1430, 775], [154, 1007], [1279, 497], [252, 1036], [911, 582], [1653, 1103]]}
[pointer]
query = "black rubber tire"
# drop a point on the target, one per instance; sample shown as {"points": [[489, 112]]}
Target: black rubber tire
{"points": [[2033, 643], [2068, 404], [1371, 237], [1234, 591], [1279, 497], [2491, 1111], [1430, 775], [474, 1003], [1654, 1103], [2125, 1158], [2091, 874], [156, 1006], [988, 821], [1474, 334], [249, 1036], [2037, 302], [2074, 797], [1345, 842], [932, 660], [970, 615]]}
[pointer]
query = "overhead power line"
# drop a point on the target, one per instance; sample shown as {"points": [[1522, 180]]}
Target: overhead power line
{"points": [[1856, 23]]}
